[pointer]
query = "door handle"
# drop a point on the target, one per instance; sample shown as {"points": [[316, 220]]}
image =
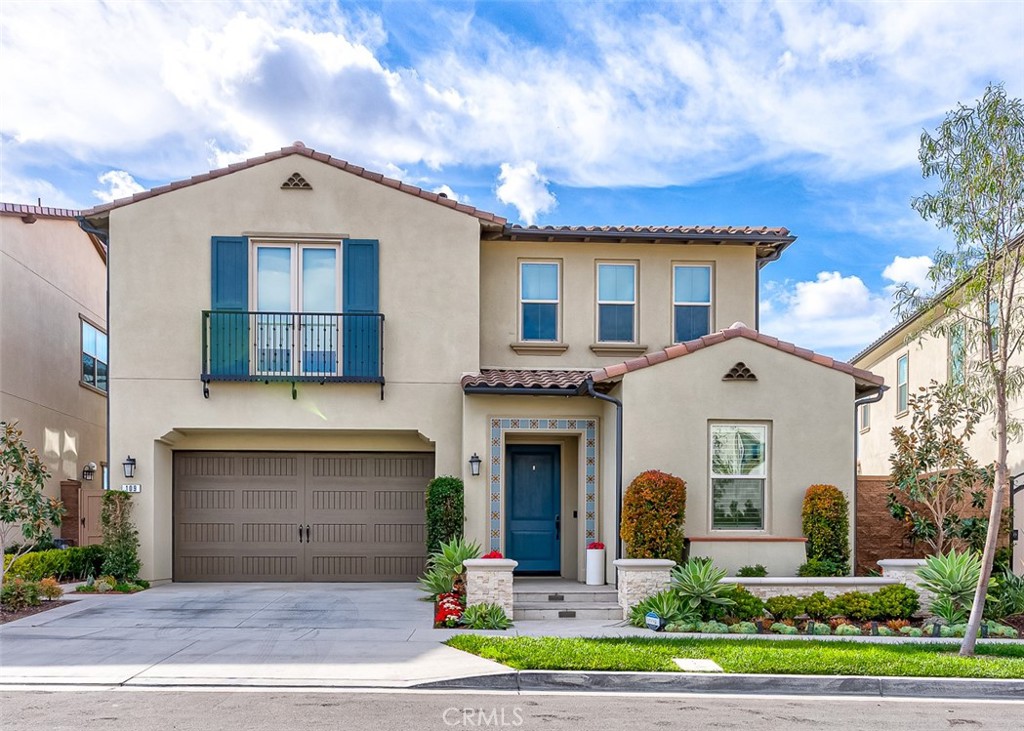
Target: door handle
{"points": [[300, 532], [307, 533], [558, 527]]}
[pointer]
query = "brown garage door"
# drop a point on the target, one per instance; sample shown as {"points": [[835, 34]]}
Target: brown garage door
{"points": [[290, 516]]}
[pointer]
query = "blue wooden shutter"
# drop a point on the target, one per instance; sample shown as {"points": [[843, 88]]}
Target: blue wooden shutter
{"points": [[361, 341], [229, 300]]}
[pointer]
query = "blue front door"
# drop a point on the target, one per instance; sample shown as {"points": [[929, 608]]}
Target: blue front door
{"points": [[532, 499]]}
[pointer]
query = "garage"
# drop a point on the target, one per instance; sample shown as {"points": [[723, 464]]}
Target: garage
{"points": [[295, 516]]}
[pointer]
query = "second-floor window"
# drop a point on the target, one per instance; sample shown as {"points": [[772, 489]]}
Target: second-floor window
{"points": [[539, 296], [691, 301], [957, 353], [616, 303], [865, 417], [902, 383], [94, 356]]}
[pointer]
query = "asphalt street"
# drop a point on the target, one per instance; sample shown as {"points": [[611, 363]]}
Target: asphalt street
{"points": [[246, 710]]}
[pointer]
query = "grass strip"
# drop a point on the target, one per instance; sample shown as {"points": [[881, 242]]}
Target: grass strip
{"points": [[747, 656]]}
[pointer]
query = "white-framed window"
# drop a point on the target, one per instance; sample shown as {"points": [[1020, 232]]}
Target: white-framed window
{"points": [[903, 383], [296, 294], [957, 352], [540, 289], [105, 472], [993, 326], [865, 417], [691, 301], [94, 370], [739, 475], [616, 302]]}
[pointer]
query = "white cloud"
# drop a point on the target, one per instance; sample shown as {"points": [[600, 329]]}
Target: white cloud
{"points": [[448, 192], [30, 190], [910, 269], [119, 185], [525, 188]]}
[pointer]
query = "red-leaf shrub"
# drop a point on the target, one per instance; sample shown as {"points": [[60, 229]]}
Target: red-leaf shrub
{"points": [[653, 513]]}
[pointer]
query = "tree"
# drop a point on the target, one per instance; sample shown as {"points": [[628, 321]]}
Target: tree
{"points": [[933, 471], [24, 509], [120, 537], [977, 155]]}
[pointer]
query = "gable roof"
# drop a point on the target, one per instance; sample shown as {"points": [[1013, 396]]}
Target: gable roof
{"points": [[866, 380], [297, 148]]}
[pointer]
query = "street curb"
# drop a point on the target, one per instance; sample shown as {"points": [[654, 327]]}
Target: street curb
{"points": [[806, 685]]}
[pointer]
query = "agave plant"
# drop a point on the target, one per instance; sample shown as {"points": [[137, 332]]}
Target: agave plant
{"points": [[698, 583], [954, 576], [666, 605], [436, 582], [485, 616], [445, 569], [948, 610]]}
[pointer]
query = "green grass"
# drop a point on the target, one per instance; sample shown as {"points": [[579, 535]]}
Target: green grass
{"points": [[747, 656]]}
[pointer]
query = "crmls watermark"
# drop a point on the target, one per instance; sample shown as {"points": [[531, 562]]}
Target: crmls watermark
{"points": [[483, 717]]}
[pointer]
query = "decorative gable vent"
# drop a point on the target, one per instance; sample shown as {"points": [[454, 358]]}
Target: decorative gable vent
{"points": [[739, 372], [296, 182]]}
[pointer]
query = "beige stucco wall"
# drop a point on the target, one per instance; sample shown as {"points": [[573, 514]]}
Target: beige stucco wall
{"points": [[50, 276], [160, 282], [734, 274], [929, 360], [809, 410]]}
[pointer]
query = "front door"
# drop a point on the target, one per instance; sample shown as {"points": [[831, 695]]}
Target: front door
{"points": [[533, 497]]}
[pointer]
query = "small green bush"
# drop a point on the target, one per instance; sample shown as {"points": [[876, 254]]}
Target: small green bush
{"points": [[653, 514], [485, 616], [780, 628], [667, 605], [681, 627], [76, 562], [785, 606], [911, 632], [120, 537], [819, 607], [884, 631], [817, 567], [820, 628], [826, 524], [855, 605], [713, 628], [745, 606], [895, 602], [743, 628], [848, 630], [445, 511], [18, 593], [755, 571]]}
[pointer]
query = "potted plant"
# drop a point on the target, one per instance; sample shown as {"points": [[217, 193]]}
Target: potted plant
{"points": [[595, 564]]}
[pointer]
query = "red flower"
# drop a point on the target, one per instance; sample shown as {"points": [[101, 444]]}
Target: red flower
{"points": [[595, 545], [493, 554]]}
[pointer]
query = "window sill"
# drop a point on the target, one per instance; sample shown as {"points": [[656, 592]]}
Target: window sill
{"points": [[87, 387], [865, 430], [538, 348], [901, 414], [757, 537], [618, 349]]}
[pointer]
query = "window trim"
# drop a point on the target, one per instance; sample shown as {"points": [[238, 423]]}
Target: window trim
{"points": [[902, 409], [765, 479], [82, 319], [710, 304], [634, 303], [521, 301], [864, 424]]}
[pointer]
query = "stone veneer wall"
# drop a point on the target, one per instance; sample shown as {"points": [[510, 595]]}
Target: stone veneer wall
{"points": [[639, 578], [489, 581], [767, 587]]}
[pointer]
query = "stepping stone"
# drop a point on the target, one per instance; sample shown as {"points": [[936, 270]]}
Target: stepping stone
{"points": [[697, 666]]}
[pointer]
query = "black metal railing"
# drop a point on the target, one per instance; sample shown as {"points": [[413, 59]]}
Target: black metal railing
{"points": [[293, 346]]}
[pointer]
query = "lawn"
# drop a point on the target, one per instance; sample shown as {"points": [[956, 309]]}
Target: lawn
{"points": [[747, 656]]}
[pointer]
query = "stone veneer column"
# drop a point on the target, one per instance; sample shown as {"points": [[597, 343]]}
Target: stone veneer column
{"points": [[489, 581], [639, 578], [905, 571]]}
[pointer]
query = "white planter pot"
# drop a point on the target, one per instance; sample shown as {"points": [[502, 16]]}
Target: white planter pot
{"points": [[595, 567]]}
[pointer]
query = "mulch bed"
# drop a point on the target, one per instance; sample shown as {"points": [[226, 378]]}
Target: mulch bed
{"points": [[1016, 621], [8, 616]]}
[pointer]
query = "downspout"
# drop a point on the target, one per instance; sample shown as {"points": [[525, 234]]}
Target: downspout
{"points": [[589, 384], [870, 399]]}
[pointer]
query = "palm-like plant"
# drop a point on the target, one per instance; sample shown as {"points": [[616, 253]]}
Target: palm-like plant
{"points": [[445, 569], [952, 577], [698, 583], [667, 605]]}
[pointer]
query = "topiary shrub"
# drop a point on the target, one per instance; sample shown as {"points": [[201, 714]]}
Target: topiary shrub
{"points": [[445, 511], [120, 537], [653, 513], [826, 524], [856, 605], [818, 567], [745, 606], [896, 602], [819, 607], [785, 606]]}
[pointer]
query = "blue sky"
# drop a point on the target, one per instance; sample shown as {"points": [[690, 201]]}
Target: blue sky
{"points": [[805, 115]]}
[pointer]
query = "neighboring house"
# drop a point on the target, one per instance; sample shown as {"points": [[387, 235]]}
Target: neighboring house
{"points": [[909, 360], [299, 345], [53, 353]]}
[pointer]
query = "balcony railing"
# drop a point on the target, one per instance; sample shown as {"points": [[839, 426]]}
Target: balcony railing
{"points": [[293, 346]]}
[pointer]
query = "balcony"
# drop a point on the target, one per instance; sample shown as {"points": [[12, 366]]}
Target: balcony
{"points": [[318, 347]]}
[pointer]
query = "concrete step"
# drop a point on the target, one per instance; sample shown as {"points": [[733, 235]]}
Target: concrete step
{"points": [[563, 598], [577, 610]]}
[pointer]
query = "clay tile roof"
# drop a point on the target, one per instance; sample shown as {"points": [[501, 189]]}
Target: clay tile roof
{"points": [[22, 209], [535, 380], [865, 379], [298, 148], [753, 232]]}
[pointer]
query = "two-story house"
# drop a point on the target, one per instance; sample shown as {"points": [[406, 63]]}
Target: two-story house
{"points": [[298, 345], [53, 354]]}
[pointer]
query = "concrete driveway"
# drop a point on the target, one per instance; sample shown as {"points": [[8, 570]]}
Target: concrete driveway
{"points": [[237, 634]]}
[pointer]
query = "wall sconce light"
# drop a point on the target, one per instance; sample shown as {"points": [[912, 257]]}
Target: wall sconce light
{"points": [[89, 471], [474, 465], [129, 467]]}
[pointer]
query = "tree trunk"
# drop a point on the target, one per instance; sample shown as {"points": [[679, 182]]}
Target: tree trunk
{"points": [[995, 514]]}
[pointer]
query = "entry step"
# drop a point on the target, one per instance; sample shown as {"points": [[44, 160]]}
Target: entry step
{"points": [[576, 610], [554, 598]]}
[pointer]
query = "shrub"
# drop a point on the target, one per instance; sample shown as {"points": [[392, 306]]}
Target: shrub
{"points": [[819, 607], [445, 511], [784, 629], [884, 631], [18, 593], [848, 630], [743, 628], [749, 572], [785, 606], [855, 605], [713, 628], [667, 605], [896, 602], [120, 537], [816, 567], [826, 525], [50, 589], [653, 513], [897, 625], [911, 632], [485, 616], [1005, 595], [699, 585], [745, 606]]}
